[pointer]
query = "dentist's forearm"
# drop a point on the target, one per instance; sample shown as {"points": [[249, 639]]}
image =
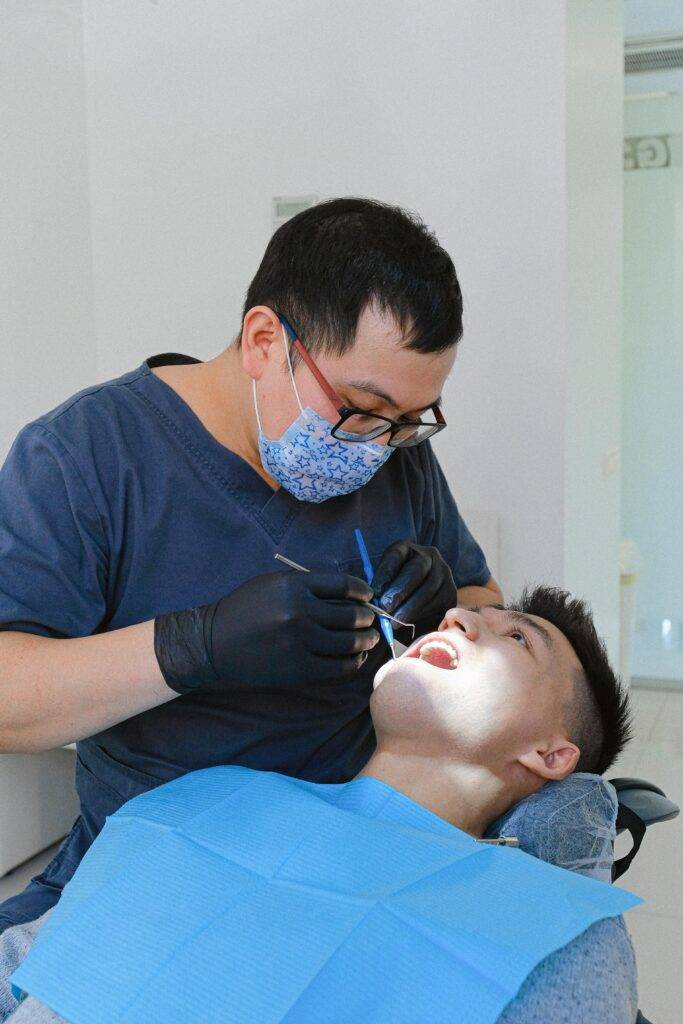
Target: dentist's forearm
{"points": [[53, 692], [480, 597]]}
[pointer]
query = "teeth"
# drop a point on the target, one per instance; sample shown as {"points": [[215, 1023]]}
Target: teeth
{"points": [[439, 653]]}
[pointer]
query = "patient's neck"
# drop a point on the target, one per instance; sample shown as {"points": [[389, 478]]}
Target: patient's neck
{"points": [[466, 795]]}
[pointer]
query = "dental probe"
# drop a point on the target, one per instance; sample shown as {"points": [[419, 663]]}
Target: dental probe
{"points": [[376, 610], [500, 841], [385, 625]]}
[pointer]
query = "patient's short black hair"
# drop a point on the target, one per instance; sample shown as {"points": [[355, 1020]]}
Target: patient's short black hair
{"points": [[323, 267], [598, 717]]}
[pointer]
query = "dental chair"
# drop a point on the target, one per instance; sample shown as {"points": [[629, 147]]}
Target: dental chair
{"points": [[641, 804], [573, 824]]}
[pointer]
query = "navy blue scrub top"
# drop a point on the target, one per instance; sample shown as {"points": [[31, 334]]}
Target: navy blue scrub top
{"points": [[119, 506]]}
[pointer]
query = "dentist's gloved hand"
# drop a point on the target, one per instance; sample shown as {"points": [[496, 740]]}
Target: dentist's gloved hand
{"points": [[277, 630], [414, 584]]}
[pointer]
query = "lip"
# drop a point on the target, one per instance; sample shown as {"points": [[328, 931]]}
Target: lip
{"points": [[447, 638]]}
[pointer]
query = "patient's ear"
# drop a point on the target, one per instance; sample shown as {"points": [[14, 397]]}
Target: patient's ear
{"points": [[553, 764]]}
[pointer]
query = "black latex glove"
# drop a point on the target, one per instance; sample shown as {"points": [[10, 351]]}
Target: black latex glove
{"points": [[275, 631], [414, 584]]}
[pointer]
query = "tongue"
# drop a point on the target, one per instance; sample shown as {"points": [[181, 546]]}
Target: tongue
{"points": [[438, 658]]}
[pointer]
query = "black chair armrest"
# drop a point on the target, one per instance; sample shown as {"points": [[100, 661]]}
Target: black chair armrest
{"points": [[628, 783], [645, 799]]}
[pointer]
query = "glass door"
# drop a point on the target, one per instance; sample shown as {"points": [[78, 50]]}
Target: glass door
{"points": [[652, 412]]}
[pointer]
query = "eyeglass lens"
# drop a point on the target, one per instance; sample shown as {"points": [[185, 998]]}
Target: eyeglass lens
{"points": [[363, 427]]}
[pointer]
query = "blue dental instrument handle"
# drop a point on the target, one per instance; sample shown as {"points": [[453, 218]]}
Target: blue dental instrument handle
{"points": [[385, 625]]}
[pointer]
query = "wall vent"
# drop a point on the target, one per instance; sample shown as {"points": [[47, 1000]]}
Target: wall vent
{"points": [[663, 53], [285, 207]]}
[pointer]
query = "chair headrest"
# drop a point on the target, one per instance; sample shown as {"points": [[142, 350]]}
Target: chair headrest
{"points": [[569, 823]]}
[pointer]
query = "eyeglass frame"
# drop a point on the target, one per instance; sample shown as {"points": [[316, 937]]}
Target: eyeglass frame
{"points": [[345, 411]]}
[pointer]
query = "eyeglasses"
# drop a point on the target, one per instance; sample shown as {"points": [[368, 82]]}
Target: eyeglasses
{"points": [[358, 425]]}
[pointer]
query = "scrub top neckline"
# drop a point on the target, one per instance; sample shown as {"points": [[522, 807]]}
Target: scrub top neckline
{"points": [[274, 508]]}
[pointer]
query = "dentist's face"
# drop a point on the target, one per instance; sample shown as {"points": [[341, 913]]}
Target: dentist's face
{"points": [[378, 374], [487, 685]]}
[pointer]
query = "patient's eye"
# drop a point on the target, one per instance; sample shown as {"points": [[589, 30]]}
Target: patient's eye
{"points": [[517, 634]]}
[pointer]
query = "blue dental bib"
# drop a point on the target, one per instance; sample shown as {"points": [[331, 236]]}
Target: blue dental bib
{"points": [[240, 897]]}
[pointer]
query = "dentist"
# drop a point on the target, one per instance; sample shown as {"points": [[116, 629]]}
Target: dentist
{"points": [[140, 611]]}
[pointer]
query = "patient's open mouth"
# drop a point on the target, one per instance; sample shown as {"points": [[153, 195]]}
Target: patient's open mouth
{"points": [[438, 653]]}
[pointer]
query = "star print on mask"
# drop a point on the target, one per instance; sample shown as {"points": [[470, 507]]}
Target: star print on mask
{"points": [[312, 464]]}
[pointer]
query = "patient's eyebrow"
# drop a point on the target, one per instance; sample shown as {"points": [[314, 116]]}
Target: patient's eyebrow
{"points": [[526, 620]]}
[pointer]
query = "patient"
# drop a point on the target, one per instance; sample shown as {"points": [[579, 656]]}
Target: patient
{"points": [[469, 721]]}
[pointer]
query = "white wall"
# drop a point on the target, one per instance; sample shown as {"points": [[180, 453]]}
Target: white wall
{"points": [[198, 113], [47, 344], [195, 122], [47, 340]]}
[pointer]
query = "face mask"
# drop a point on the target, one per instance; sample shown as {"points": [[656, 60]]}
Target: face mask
{"points": [[310, 463]]}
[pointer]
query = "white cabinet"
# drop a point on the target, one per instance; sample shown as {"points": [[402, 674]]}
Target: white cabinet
{"points": [[38, 803]]}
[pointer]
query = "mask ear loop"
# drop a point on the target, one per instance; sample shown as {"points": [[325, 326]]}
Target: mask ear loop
{"points": [[285, 340], [258, 418]]}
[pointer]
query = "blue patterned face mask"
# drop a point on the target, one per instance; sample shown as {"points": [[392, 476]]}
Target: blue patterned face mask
{"points": [[310, 463]]}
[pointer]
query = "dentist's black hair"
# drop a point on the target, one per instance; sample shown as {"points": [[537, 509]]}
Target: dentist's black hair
{"points": [[323, 267], [598, 716]]}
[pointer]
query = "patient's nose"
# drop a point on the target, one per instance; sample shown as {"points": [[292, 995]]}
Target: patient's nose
{"points": [[464, 619]]}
